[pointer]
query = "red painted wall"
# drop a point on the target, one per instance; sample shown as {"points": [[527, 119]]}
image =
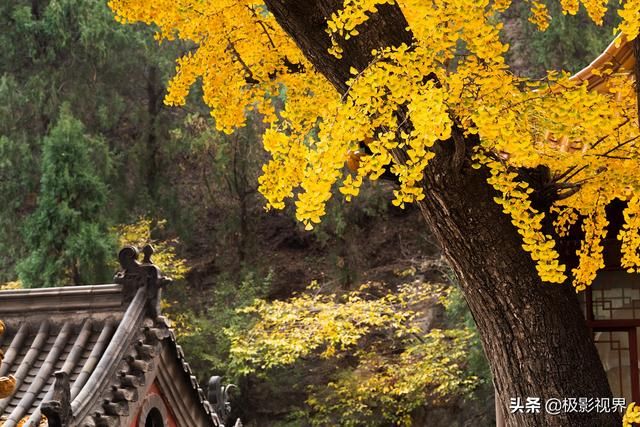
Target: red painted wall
{"points": [[155, 390]]}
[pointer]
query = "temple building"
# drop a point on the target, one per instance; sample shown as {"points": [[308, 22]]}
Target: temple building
{"points": [[611, 305], [101, 356]]}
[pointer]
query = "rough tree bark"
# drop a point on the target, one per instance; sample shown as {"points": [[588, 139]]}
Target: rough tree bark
{"points": [[533, 333]]}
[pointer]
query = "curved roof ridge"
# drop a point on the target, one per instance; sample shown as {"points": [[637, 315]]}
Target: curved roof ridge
{"points": [[111, 357], [18, 302], [94, 357], [619, 54]]}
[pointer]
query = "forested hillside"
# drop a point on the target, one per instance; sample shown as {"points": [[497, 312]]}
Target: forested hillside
{"points": [[91, 158]]}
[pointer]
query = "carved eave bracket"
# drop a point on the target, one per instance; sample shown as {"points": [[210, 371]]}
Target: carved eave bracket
{"points": [[57, 409], [219, 397], [135, 275]]}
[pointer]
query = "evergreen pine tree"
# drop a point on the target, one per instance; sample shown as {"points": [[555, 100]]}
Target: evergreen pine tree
{"points": [[67, 237]]}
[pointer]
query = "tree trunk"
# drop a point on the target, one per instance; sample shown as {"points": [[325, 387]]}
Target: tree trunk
{"points": [[533, 333]]}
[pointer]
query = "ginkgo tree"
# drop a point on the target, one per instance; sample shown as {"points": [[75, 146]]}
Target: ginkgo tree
{"points": [[381, 364], [500, 166]]}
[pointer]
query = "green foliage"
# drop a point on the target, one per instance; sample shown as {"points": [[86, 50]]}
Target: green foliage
{"points": [[386, 364], [570, 43], [201, 331], [344, 225], [73, 51], [16, 183], [63, 50], [343, 217], [228, 183], [67, 237], [111, 76], [458, 314]]}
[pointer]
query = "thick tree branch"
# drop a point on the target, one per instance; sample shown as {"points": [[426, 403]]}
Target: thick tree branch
{"points": [[306, 22]]}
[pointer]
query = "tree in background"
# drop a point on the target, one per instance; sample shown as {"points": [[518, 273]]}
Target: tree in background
{"points": [[229, 176], [425, 88], [111, 76], [17, 179], [67, 237], [381, 361], [569, 43]]}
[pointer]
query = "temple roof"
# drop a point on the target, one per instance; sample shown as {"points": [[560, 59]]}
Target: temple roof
{"points": [[618, 56], [89, 354], [617, 59]]}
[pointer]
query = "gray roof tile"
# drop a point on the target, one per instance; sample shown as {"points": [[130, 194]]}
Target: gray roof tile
{"points": [[111, 342]]}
